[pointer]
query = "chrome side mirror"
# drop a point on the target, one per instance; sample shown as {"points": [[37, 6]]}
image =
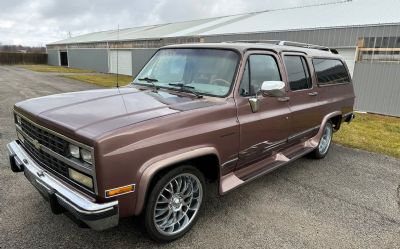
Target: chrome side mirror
{"points": [[273, 88], [270, 89]]}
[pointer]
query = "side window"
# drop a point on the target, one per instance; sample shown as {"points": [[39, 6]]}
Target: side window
{"points": [[259, 68], [330, 71], [298, 73]]}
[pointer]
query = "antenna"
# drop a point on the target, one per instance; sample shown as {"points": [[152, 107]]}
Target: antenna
{"points": [[117, 55]]}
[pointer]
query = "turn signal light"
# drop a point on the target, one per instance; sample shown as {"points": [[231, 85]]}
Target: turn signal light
{"points": [[120, 190]]}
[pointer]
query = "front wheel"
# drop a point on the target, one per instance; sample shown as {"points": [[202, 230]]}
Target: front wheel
{"points": [[174, 203], [325, 142]]}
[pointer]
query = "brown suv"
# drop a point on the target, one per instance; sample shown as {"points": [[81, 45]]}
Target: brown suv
{"points": [[228, 112]]}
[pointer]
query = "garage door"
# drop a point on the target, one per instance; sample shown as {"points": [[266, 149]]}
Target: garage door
{"points": [[121, 60], [349, 55]]}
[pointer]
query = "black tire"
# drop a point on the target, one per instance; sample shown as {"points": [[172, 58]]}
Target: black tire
{"points": [[149, 214], [319, 152]]}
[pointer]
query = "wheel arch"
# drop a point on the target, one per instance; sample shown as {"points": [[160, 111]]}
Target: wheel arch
{"points": [[336, 121], [154, 167], [313, 142]]}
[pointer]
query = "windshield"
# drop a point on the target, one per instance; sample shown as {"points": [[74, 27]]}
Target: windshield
{"points": [[203, 71]]}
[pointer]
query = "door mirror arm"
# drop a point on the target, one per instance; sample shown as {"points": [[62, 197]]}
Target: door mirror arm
{"points": [[268, 89], [254, 102]]}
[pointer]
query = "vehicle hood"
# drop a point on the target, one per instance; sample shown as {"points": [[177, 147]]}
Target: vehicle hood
{"points": [[92, 113]]}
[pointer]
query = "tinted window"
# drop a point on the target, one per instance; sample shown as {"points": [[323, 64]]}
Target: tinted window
{"points": [[330, 71], [298, 74], [259, 68]]}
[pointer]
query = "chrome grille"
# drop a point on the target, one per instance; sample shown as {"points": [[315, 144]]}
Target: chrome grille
{"points": [[51, 151], [45, 160], [51, 141]]}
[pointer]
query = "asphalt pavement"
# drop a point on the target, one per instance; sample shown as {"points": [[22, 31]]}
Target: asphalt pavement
{"points": [[347, 200]]}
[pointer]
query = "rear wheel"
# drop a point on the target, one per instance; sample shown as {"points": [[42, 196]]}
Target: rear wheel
{"points": [[325, 142], [174, 203]]}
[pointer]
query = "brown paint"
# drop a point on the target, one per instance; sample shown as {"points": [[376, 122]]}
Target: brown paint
{"points": [[136, 132]]}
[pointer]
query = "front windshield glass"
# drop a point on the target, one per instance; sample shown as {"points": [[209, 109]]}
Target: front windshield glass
{"points": [[204, 71]]}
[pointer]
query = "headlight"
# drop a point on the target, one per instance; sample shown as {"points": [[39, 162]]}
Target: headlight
{"points": [[80, 153], [74, 151], [81, 178], [86, 156]]}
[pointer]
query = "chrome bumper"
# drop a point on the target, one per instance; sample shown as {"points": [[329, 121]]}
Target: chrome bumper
{"points": [[61, 198]]}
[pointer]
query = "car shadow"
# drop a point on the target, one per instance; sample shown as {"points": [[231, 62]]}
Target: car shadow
{"points": [[130, 230]]}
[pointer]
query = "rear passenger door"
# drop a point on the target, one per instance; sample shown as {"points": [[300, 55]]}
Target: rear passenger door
{"points": [[306, 116]]}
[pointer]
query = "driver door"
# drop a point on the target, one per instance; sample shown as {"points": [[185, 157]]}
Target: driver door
{"points": [[264, 132]]}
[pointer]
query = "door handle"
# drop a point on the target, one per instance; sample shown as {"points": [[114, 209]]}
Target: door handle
{"points": [[284, 99], [313, 94]]}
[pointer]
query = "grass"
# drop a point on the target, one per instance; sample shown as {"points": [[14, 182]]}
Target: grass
{"points": [[107, 80], [371, 132], [54, 69]]}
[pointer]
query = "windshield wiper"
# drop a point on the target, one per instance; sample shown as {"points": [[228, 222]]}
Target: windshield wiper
{"points": [[188, 89], [151, 81]]}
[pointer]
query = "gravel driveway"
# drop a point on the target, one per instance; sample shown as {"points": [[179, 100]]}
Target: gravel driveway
{"points": [[347, 200]]}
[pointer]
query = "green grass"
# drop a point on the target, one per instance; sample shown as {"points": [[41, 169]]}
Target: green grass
{"points": [[54, 69], [108, 80], [372, 133]]}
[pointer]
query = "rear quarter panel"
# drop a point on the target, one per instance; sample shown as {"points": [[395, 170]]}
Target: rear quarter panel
{"points": [[337, 97]]}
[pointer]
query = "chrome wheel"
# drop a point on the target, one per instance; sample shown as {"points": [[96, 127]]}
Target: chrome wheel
{"points": [[177, 204], [326, 139]]}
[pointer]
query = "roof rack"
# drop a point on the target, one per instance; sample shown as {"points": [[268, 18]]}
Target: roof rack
{"points": [[289, 43]]}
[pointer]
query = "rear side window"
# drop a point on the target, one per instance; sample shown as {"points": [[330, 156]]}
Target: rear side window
{"points": [[330, 71], [298, 73], [259, 68]]}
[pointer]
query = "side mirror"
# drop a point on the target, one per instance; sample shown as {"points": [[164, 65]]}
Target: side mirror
{"points": [[273, 88]]}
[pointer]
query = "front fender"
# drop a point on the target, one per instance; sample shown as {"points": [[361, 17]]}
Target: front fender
{"points": [[154, 165]]}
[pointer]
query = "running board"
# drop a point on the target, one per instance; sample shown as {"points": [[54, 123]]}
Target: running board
{"points": [[247, 174]]}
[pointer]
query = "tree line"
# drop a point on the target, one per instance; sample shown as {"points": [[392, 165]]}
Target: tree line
{"points": [[21, 49]]}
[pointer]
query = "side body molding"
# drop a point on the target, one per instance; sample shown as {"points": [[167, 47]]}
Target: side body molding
{"points": [[151, 167]]}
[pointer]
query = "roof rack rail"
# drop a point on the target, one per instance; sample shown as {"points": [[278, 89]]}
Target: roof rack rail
{"points": [[288, 43]]}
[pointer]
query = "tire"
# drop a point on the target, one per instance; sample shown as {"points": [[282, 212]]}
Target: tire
{"points": [[325, 142], [177, 199]]}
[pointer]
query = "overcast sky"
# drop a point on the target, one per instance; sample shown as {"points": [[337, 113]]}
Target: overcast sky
{"points": [[37, 22]]}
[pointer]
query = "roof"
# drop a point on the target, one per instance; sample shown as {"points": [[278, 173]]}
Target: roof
{"points": [[338, 14]]}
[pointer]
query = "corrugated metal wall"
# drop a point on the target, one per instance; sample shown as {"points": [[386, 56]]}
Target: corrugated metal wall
{"points": [[140, 58], [377, 87], [334, 37], [52, 57], [92, 59]]}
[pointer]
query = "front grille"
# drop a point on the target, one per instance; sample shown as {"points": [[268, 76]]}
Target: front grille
{"points": [[45, 138], [45, 160], [34, 135]]}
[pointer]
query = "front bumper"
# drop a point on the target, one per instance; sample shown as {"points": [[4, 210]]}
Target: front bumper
{"points": [[96, 216]]}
